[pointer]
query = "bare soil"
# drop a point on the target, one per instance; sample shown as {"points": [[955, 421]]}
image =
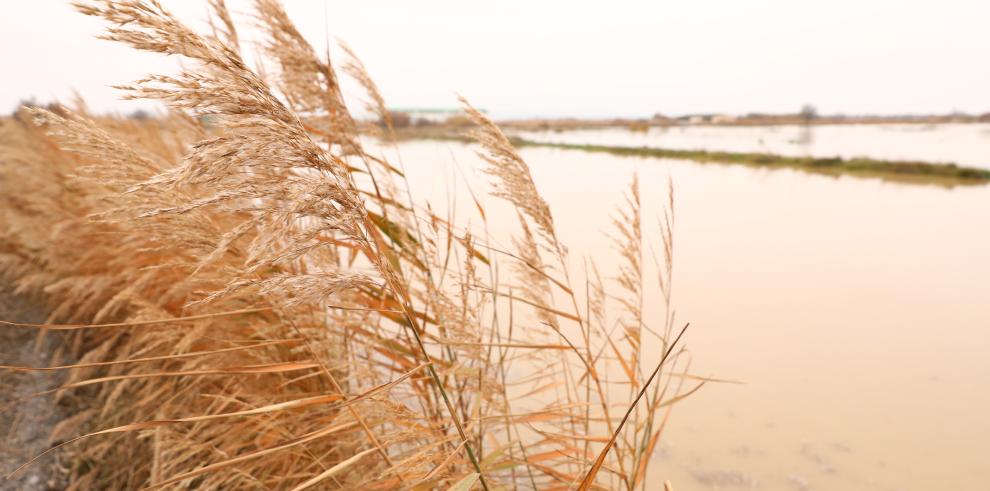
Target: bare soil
{"points": [[27, 420]]}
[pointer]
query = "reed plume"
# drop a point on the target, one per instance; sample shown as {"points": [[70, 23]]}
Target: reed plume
{"points": [[260, 303]]}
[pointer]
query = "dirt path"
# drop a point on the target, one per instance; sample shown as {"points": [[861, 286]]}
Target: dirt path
{"points": [[26, 422]]}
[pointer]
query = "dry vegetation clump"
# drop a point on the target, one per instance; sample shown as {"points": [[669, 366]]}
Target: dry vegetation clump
{"points": [[262, 306]]}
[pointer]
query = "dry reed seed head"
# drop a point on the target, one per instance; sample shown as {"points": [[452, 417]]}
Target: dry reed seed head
{"points": [[261, 214], [356, 69], [470, 275], [229, 30], [295, 289], [117, 167], [515, 182], [597, 298], [265, 165], [667, 229], [84, 137], [225, 88], [309, 83], [533, 285], [146, 25], [628, 243]]}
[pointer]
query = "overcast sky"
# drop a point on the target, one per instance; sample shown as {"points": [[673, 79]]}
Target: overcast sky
{"points": [[576, 58]]}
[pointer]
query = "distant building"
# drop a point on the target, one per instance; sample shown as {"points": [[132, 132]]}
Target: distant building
{"points": [[430, 115], [707, 118], [660, 119]]}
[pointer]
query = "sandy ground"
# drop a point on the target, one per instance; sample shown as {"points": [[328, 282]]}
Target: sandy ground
{"points": [[26, 422]]}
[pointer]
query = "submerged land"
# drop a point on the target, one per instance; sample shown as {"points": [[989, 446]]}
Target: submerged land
{"points": [[909, 171], [903, 171]]}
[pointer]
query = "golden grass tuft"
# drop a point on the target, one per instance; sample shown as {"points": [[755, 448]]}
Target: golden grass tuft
{"points": [[262, 305]]}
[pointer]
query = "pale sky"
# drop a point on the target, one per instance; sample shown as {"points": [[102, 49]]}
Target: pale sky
{"points": [[576, 58]]}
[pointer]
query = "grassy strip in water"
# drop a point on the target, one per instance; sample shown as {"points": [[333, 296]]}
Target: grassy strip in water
{"points": [[910, 172], [921, 172]]}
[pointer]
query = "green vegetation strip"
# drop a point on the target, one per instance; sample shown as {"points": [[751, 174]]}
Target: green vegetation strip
{"points": [[908, 172], [899, 170]]}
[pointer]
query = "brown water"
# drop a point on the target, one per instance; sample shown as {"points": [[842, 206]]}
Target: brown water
{"points": [[963, 144], [855, 311]]}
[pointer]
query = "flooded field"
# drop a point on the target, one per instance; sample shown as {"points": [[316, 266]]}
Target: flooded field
{"points": [[854, 311], [962, 144], [248, 245]]}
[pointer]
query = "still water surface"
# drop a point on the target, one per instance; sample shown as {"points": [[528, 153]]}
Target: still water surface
{"points": [[856, 312]]}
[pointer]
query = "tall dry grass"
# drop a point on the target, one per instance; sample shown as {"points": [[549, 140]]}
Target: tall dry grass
{"points": [[261, 303]]}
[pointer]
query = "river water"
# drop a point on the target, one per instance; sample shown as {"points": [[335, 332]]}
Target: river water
{"points": [[855, 311]]}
